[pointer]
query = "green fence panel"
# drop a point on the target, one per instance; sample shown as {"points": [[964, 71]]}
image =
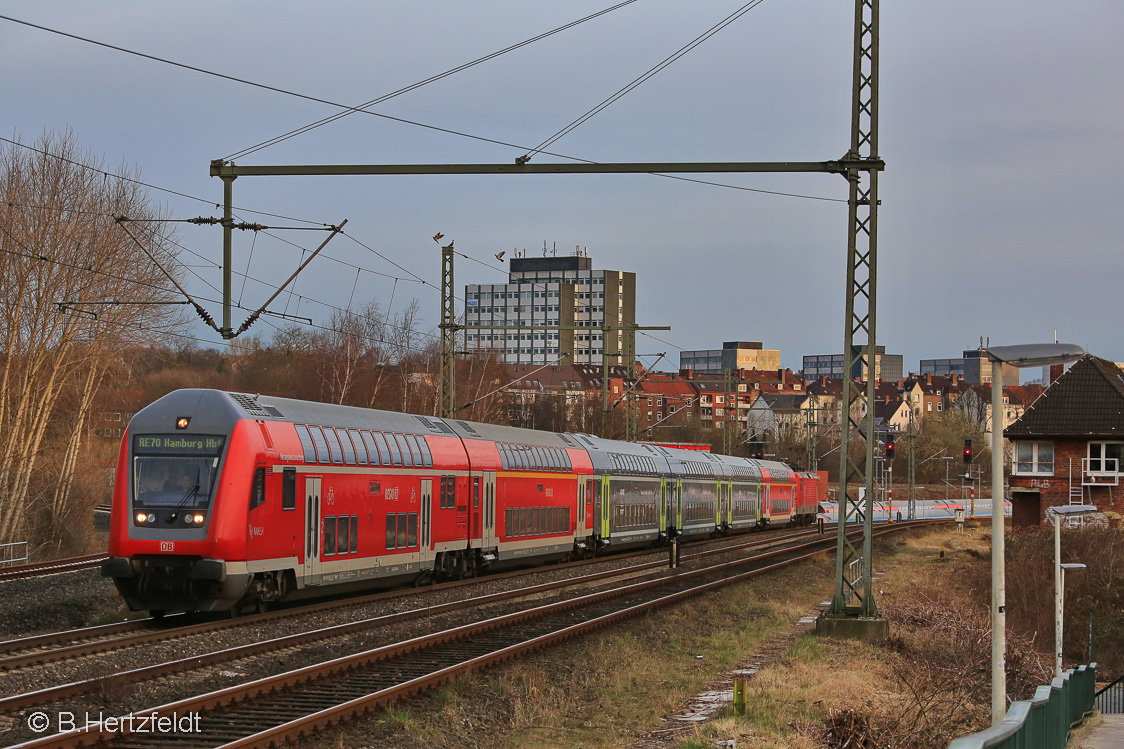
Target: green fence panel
{"points": [[1042, 722]]}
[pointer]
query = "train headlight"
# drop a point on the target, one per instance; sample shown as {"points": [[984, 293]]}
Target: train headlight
{"points": [[144, 518], [197, 519]]}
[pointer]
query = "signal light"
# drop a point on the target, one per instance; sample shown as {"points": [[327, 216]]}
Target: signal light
{"points": [[890, 449], [967, 451], [757, 450]]}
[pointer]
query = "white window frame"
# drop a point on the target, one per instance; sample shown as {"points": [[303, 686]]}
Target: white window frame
{"points": [[1036, 467], [1102, 465]]}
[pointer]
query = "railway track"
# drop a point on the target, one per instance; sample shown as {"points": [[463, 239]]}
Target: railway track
{"points": [[57, 646], [273, 709], [50, 568]]}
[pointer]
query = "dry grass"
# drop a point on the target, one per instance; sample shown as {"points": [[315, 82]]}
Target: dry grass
{"points": [[923, 687]]}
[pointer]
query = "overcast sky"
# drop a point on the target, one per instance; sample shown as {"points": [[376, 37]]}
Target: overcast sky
{"points": [[1002, 129]]}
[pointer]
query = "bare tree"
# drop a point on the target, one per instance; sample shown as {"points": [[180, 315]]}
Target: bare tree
{"points": [[76, 290]]}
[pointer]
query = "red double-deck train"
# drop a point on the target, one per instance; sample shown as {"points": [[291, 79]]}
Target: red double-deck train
{"points": [[227, 501]]}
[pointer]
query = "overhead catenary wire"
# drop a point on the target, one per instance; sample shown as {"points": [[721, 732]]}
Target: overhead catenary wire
{"points": [[643, 77], [424, 82], [401, 120]]}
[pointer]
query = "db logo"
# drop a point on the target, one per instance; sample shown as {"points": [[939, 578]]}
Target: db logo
{"points": [[167, 546]]}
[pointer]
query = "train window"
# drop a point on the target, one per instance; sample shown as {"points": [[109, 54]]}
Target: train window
{"points": [[403, 448], [476, 492], [412, 441], [345, 442], [360, 448], [412, 530], [538, 458], [566, 519], [289, 489], [322, 454], [257, 489], [329, 548], [395, 453], [444, 492], [507, 522], [354, 533], [521, 522], [402, 530], [372, 448], [503, 456], [427, 456], [343, 535], [516, 458], [306, 443], [391, 530], [334, 446], [384, 447]]}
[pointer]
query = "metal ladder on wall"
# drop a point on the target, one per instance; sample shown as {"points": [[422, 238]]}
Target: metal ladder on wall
{"points": [[1076, 491]]}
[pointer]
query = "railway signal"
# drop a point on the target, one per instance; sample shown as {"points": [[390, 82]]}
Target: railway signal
{"points": [[967, 451], [889, 450], [757, 450]]}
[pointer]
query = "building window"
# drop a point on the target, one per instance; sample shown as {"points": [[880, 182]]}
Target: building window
{"points": [[1034, 458], [1106, 457]]}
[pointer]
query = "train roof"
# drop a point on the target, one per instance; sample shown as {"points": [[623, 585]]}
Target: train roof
{"points": [[611, 457]]}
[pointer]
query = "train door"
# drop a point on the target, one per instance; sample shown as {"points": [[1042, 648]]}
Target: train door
{"points": [[488, 531], [766, 508], [476, 511], [719, 504], [460, 502], [579, 526], [663, 505], [426, 513], [606, 500], [730, 503], [311, 570], [678, 503]]}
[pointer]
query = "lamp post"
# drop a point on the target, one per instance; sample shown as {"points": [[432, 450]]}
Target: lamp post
{"points": [[1032, 355], [1059, 575]]}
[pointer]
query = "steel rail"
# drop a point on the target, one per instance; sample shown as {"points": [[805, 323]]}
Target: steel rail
{"points": [[326, 715], [84, 642], [36, 569]]}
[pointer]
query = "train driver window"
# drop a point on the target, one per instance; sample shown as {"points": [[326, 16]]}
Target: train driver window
{"points": [[306, 443], [257, 488], [329, 548], [391, 531], [289, 488], [343, 535]]}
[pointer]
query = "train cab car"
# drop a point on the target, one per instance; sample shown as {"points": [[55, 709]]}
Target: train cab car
{"points": [[809, 491], [630, 491]]}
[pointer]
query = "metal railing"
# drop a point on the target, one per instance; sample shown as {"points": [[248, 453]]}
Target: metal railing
{"points": [[1111, 698], [9, 551], [1044, 721]]}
